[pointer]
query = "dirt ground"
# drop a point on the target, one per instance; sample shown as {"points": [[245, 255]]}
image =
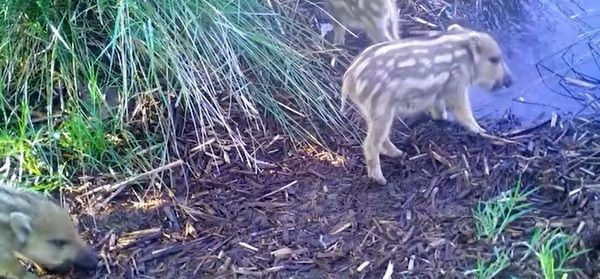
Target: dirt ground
{"points": [[312, 214]]}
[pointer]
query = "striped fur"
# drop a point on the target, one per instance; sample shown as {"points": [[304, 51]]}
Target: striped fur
{"points": [[410, 76], [378, 18], [34, 227]]}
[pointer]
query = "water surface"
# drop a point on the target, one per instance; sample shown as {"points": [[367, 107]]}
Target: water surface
{"points": [[543, 41]]}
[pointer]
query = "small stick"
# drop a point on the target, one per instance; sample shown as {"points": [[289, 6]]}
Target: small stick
{"points": [[503, 140], [278, 190], [389, 270], [113, 187], [212, 251], [121, 185], [526, 130]]}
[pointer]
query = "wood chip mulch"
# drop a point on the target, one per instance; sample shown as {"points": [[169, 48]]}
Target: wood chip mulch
{"points": [[313, 214]]}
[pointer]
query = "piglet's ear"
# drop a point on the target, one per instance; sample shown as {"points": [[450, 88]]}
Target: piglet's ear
{"points": [[475, 46], [455, 27], [20, 224]]}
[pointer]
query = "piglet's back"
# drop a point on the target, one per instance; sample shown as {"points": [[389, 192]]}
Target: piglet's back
{"points": [[413, 56], [15, 199]]}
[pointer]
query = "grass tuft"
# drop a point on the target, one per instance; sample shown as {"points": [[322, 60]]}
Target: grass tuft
{"points": [[86, 85], [554, 251], [492, 217], [493, 268]]}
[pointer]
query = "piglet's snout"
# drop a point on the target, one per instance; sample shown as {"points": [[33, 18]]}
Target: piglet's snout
{"points": [[508, 80], [505, 82], [86, 260]]}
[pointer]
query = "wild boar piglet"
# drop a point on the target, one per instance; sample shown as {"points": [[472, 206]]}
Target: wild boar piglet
{"points": [[378, 18], [37, 229], [407, 77]]}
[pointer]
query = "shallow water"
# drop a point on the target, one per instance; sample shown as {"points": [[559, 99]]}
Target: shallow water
{"points": [[543, 40]]}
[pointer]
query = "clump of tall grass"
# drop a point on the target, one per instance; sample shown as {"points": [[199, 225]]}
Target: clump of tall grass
{"points": [[97, 85]]}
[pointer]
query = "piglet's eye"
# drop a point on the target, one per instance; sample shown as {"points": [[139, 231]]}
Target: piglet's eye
{"points": [[59, 243], [495, 60]]}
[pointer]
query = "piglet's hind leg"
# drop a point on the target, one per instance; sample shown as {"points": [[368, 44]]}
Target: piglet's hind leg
{"points": [[377, 133]]}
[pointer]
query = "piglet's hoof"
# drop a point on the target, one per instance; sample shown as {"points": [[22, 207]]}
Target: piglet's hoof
{"points": [[378, 179], [394, 153], [478, 131]]}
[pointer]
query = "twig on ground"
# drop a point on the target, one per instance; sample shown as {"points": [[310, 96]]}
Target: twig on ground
{"points": [[499, 139], [278, 190], [121, 185], [389, 270], [526, 130]]}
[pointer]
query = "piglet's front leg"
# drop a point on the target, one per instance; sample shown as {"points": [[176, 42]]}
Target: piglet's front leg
{"points": [[456, 99]]}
